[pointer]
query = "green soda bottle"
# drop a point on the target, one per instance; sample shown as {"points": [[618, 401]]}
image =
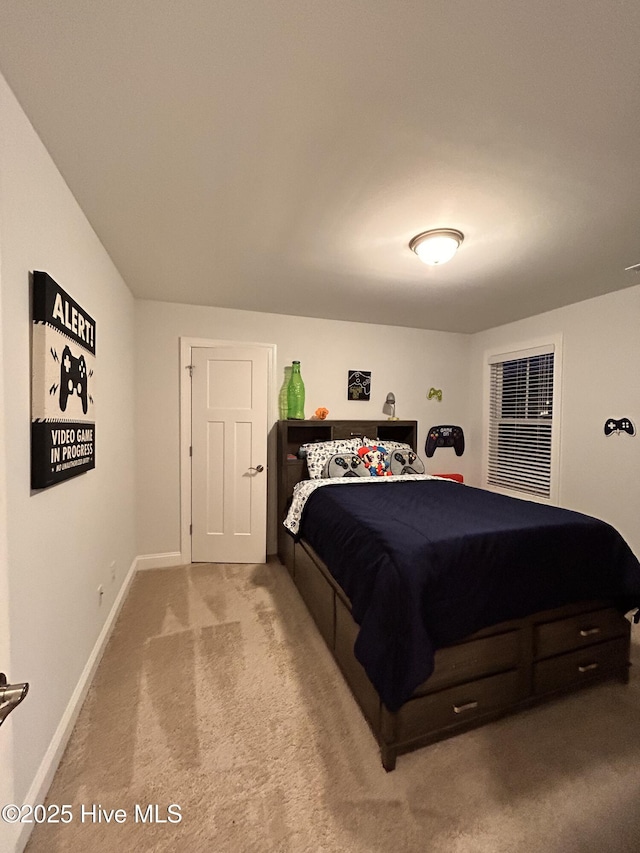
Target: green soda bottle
{"points": [[295, 393]]}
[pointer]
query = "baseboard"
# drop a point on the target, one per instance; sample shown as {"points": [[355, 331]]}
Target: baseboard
{"points": [[49, 764], [159, 561]]}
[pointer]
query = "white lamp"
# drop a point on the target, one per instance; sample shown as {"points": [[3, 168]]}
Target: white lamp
{"points": [[437, 246], [389, 407]]}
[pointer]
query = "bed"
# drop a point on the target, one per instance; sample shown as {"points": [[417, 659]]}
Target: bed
{"points": [[444, 606]]}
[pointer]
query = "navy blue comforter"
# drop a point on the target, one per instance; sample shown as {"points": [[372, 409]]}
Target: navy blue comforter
{"points": [[427, 563]]}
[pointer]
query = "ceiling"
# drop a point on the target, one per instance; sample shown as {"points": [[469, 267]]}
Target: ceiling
{"points": [[278, 155]]}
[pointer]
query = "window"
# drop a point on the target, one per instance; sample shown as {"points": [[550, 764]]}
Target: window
{"points": [[521, 407]]}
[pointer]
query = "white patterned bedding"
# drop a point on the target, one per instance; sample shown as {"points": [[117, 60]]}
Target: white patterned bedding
{"points": [[303, 489]]}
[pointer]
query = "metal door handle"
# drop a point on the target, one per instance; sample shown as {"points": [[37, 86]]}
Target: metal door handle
{"points": [[11, 695], [259, 469]]}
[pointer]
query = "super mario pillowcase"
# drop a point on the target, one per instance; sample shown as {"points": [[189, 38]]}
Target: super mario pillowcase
{"points": [[375, 459], [402, 458]]}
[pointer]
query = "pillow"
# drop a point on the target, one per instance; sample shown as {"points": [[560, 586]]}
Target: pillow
{"points": [[345, 465], [318, 453], [388, 445], [405, 462], [375, 459]]}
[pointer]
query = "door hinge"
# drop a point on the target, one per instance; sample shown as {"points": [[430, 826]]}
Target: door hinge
{"points": [[191, 530], [189, 367], [191, 451]]}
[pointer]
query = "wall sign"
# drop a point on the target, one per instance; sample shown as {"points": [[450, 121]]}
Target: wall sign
{"points": [[63, 383], [359, 385]]}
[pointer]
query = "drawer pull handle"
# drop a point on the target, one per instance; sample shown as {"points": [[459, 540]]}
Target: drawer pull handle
{"points": [[460, 709], [587, 667], [589, 632]]}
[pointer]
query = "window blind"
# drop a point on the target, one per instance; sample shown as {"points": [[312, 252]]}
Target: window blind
{"points": [[520, 422]]}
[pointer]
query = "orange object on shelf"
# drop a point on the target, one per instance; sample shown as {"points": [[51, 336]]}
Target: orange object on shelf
{"points": [[457, 477]]}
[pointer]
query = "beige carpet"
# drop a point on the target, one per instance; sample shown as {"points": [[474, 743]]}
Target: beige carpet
{"points": [[217, 694]]}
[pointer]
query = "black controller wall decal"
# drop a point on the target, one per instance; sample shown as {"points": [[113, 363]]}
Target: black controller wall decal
{"points": [[444, 436], [612, 426], [73, 379]]}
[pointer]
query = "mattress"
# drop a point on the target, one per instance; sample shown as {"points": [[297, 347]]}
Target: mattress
{"points": [[426, 562]]}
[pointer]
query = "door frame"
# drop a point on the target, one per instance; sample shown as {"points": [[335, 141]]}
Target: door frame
{"points": [[7, 777], [186, 345]]}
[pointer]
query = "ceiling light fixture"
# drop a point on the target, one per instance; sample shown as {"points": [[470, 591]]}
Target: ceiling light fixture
{"points": [[437, 246]]}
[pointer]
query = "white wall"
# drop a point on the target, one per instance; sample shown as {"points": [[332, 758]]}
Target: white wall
{"points": [[599, 475], [6, 736], [406, 361], [61, 541]]}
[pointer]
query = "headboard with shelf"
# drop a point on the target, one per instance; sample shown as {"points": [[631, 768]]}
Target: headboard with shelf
{"points": [[292, 434], [291, 469]]}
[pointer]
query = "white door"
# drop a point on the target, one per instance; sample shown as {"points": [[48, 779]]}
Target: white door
{"points": [[229, 454]]}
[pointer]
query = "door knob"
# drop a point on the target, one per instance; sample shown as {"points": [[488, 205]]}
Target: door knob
{"points": [[11, 695], [259, 469]]}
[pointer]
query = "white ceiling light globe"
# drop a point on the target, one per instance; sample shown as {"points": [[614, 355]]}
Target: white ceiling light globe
{"points": [[438, 246]]}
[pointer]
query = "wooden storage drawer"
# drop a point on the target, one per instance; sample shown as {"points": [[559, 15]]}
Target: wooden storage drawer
{"points": [[317, 594], [584, 665], [563, 635], [469, 661], [457, 705]]}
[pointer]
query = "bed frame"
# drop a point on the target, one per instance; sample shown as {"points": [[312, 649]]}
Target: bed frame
{"points": [[497, 671]]}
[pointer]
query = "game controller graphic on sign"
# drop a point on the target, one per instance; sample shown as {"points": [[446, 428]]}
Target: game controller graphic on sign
{"points": [[63, 385], [73, 379]]}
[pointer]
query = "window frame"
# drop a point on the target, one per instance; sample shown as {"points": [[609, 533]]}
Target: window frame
{"points": [[514, 352]]}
